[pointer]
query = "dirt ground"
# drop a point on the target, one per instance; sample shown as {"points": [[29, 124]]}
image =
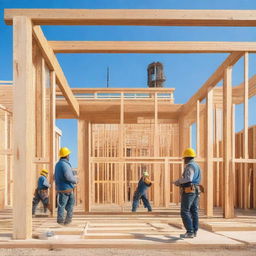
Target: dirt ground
{"points": [[250, 251]]}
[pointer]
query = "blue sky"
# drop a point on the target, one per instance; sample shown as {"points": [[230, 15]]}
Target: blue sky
{"points": [[185, 72]]}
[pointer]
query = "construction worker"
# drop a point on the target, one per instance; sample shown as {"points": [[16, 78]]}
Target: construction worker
{"points": [[189, 186], [65, 182], [141, 193], [41, 192]]}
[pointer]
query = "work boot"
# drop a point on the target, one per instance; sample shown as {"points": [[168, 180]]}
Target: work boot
{"points": [[187, 235]]}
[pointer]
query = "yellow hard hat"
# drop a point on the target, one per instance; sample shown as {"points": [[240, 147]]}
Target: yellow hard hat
{"points": [[44, 172], [189, 152], [145, 174], [64, 152]]}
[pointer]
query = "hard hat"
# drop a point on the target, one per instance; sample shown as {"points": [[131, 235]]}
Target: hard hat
{"points": [[44, 172], [64, 152], [189, 152], [145, 174]]}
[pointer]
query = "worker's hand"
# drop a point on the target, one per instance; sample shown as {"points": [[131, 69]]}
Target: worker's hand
{"points": [[176, 183]]}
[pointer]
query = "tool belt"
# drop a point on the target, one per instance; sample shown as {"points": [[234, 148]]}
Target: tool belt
{"points": [[193, 189], [66, 191], [190, 189]]}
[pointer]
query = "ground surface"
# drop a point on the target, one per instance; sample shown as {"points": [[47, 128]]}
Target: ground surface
{"points": [[251, 251]]}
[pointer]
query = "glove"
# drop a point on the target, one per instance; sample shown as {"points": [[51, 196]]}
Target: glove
{"points": [[177, 183]]}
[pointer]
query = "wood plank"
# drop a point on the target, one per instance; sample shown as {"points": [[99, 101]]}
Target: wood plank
{"points": [[135, 17], [23, 128], [209, 155], [52, 144], [156, 171], [54, 65], [245, 133], [211, 82], [227, 146], [198, 129], [150, 47], [120, 90], [121, 152], [83, 163]]}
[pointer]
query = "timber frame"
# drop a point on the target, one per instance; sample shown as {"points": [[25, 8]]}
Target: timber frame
{"points": [[107, 118]]}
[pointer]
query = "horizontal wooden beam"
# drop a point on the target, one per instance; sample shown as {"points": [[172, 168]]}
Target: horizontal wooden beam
{"points": [[138, 17], [211, 82], [53, 64], [150, 47], [120, 90]]}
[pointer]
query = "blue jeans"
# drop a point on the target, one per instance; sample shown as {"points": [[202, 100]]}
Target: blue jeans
{"points": [[136, 199], [40, 195], [66, 202], [189, 211]]}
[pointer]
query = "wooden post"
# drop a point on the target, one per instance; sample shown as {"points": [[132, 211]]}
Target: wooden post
{"points": [[156, 154], [83, 163], [167, 183], [198, 128], [227, 144], [6, 163], [121, 152], [245, 140], [52, 143], [24, 126], [209, 155]]}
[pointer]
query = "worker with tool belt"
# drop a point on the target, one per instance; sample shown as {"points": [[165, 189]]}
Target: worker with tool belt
{"points": [[41, 192], [190, 189], [141, 193], [65, 183]]}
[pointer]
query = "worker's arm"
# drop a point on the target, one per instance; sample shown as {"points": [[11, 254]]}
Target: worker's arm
{"points": [[187, 176], [46, 183], [68, 174], [148, 182]]}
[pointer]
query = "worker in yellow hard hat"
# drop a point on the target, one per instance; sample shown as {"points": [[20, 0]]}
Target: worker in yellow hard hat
{"points": [[141, 192], [65, 182], [41, 192], [189, 184]]}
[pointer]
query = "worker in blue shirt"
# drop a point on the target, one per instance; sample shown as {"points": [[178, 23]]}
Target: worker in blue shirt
{"points": [[65, 182], [41, 192], [141, 193], [189, 184]]}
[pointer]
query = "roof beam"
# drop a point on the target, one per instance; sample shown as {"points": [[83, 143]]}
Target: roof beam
{"points": [[211, 82], [138, 17], [150, 47], [54, 65]]}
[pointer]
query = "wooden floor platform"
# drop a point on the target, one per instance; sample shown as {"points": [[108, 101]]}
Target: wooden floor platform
{"points": [[139, 230]]}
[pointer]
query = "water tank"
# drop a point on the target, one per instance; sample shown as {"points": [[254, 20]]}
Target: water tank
{"points": [[156, 76]]}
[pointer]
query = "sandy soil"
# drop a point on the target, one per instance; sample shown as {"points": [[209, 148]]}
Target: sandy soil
{"points": [[251, 251]]}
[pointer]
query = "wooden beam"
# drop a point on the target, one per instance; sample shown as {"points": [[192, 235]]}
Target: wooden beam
{"points": [[211, 82], [245, 134], [84, 163], [120, 90], [135, 17], [198, 128], [121, 152], [209, 155], [227, 144], [150, 47], [156, 145], [54, 65], [52, 143], [24, 127]]}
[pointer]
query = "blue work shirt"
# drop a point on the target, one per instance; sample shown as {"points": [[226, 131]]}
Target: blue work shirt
{"points": [[64, 177], [143, 186], [42, 183], [191, 174]]}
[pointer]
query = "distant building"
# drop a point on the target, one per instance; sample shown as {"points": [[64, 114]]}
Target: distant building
{"points": [[156, 76]]}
